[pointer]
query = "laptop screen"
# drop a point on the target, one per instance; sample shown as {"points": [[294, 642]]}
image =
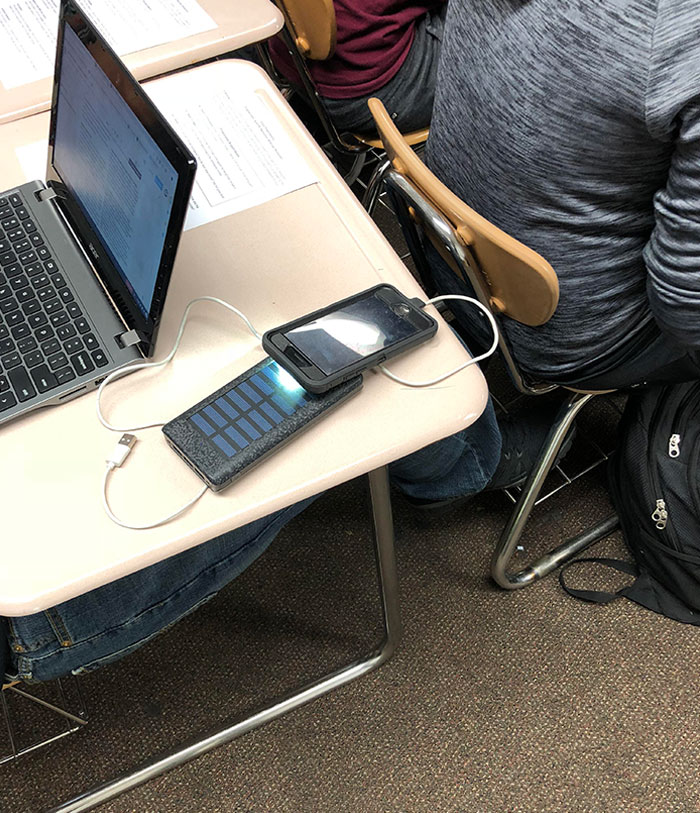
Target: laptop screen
{"points": [[122, 176], [116, 172]]}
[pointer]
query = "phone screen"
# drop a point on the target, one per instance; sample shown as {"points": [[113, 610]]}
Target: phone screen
{"points": [[338, 339]]}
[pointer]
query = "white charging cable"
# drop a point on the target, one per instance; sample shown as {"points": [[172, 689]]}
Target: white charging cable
{"points": [[118, 456], [143, 365], [127, 441], [466, 364]]}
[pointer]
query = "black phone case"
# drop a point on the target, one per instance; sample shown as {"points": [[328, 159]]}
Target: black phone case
{"points": [[217, 470], [326, 382]]}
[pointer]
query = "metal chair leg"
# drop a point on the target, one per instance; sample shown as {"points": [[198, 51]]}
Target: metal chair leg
{"points": [[388, 588], [353, 173], [374, 187], [10, 729], [73, 722], [521, 513], [73, 718]]}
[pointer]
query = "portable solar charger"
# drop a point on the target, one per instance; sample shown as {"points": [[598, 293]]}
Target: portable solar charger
{"points": [[243, 422]]}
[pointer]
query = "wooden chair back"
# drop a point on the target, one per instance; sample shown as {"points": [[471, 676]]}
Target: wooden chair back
{"points": [[312, 25], [519, 282]]}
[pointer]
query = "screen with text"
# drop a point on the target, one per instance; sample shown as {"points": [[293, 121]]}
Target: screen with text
{"points": [[120, 178]]}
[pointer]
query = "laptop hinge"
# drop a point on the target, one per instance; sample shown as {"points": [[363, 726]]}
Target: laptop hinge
{"points": [[46, 194], [130, 338]]}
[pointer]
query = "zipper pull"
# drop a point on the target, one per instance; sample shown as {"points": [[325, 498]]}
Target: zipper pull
{"points": [[674, 445], [660, 515]]}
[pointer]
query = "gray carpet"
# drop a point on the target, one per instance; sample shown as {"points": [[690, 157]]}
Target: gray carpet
{"points": [[495, 702]]}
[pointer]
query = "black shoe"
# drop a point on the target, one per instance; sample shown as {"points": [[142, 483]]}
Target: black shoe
{"points": [[522, 436]]}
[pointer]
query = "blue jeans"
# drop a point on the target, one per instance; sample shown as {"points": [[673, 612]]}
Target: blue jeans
{"points": [[107, 623]]}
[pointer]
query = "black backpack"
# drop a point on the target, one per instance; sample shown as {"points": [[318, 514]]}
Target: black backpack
{"points": [[655, 487]]}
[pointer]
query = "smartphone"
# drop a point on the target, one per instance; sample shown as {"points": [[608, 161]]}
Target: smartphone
{"points": [[242, 423], [333, 344]]}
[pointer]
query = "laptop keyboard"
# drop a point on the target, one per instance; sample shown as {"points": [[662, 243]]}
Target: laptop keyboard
{"points": [[45, 340]]}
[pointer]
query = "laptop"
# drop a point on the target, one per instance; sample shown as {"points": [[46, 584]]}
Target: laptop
{"points": [[86, 255]]}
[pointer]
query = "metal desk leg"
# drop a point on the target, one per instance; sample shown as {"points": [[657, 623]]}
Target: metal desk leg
{"points": [[388, 588]]}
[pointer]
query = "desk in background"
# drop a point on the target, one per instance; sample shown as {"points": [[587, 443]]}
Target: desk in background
{"points": [[238, 23], [274, 262]]}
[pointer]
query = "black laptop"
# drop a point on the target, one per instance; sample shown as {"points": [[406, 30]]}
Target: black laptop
{"points": [[86, 255]]}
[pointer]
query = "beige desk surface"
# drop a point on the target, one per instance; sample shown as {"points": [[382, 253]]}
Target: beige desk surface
{"points": [[239, 23], [274, 262]]}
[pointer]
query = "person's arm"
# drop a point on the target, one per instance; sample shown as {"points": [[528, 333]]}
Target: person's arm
{"points": [[672, 254]]}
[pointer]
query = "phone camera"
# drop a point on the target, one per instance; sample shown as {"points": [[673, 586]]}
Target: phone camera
{"points": [[401, 309]]}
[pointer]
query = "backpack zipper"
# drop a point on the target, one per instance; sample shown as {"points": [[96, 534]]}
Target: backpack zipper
{"points": [[660, 515], [660, 512], [674, 445]]}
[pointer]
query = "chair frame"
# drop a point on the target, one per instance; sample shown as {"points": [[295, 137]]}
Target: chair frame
{"points": [[404, 195], [346, 143]]}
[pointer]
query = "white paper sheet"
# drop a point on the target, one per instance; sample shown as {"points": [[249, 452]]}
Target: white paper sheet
{"points": [[244, 156], [32, 158], [28, 30]]}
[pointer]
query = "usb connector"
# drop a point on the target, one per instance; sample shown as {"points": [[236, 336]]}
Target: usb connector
{"points": [[121, 451]]}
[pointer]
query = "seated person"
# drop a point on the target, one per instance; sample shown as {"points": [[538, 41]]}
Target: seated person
{"points": [[574, 125], [385, 48]]}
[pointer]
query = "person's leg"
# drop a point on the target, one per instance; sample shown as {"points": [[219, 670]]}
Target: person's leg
{"points": [[105, 624], [456, 466], [408, 96]]}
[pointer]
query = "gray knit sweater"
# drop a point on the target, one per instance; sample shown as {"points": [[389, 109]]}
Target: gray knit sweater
{"points": [[574, 125]]}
